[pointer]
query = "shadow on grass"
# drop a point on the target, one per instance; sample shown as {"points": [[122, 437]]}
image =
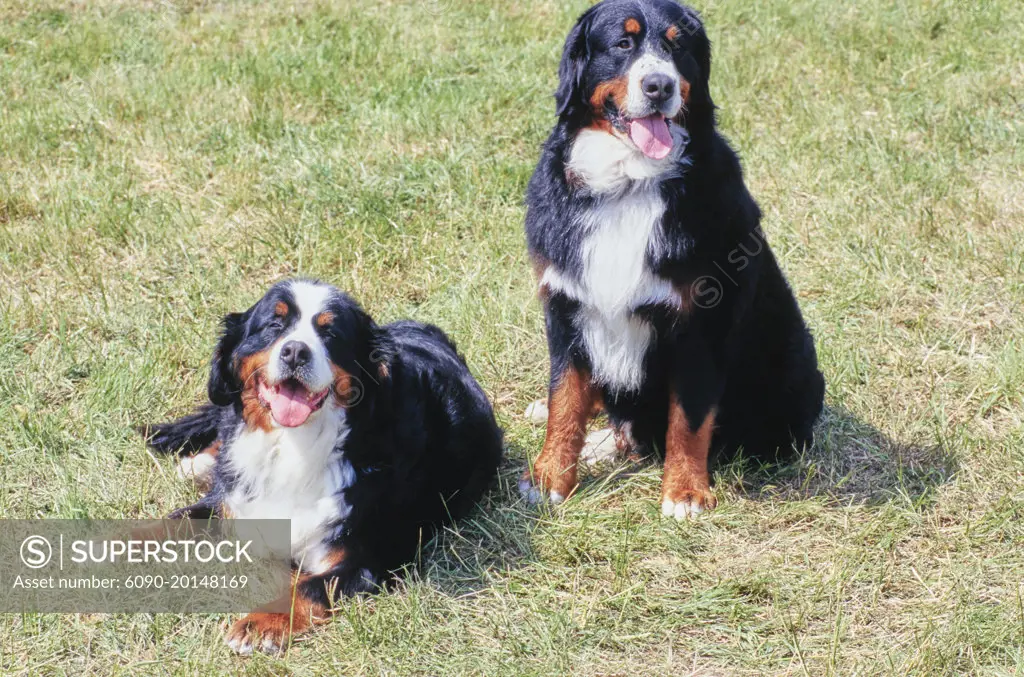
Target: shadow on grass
{"points": [[849, 461], [495, 537]]}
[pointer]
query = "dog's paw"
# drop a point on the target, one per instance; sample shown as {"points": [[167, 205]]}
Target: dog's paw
{"points": [[535, 495], [198, 468], [551, 479], [259, 632], [537, 412], [688, 504], [601, 446]]}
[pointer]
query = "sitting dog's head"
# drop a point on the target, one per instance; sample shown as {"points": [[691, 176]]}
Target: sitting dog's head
{"points": [[633, 68], [291, 355]]}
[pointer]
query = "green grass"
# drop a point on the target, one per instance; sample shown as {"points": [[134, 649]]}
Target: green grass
{"points": [[162, 162]]}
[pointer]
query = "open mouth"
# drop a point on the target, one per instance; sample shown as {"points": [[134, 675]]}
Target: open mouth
{"points": [[651, 135], [290, 402]]}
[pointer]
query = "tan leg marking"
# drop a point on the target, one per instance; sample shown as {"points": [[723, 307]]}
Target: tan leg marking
{"points": [[686, 485], [554, 472], [270, 632]]}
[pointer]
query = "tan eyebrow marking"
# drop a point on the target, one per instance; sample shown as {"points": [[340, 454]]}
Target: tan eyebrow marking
{"points": [[631, 25], [672, 33], [324, 319], [281, 309]]}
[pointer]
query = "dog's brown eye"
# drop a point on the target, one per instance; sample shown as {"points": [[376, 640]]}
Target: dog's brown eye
{"points": [[625, 43]]}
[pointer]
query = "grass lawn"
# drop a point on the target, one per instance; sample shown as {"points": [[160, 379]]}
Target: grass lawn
{"points": [[163, 161]]}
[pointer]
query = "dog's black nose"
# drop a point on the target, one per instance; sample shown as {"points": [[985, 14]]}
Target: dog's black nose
{"points": [[658, 87], [295, 354]]}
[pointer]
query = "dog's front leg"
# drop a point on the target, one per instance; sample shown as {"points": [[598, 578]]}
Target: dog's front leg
{"points": [[695, 390], [208, 506], [570, 403], [686, 484], [312, 598]]}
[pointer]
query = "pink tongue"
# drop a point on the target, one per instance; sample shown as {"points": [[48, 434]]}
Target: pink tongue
{"points": [[651, 136], [291, 405]]}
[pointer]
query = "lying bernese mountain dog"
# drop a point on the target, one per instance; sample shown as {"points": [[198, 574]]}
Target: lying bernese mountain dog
{"points": [[368, 438], [663, 303]]}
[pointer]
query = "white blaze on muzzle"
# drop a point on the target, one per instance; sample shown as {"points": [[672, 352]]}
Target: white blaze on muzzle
{"points": [[648, 120], [294, 396], [637, 103]]}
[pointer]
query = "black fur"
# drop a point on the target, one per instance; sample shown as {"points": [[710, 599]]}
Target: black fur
{"points": [[742, 347], [189, 434], [422, 439]]}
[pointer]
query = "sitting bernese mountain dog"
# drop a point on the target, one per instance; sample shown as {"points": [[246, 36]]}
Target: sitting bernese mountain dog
{"points": [[663, 303], [368, 438]]}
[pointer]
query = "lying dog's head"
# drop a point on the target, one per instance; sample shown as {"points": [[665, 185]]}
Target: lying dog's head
{"points": [[290, 355], [634, 67]]}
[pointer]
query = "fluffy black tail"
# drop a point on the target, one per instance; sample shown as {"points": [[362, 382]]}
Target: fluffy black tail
{"points": [[187, 435]]}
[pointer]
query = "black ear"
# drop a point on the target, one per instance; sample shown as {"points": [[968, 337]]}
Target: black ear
{"points": [[704, 62], [701, 51], [569, 96], [694, 26], [223, 386]]}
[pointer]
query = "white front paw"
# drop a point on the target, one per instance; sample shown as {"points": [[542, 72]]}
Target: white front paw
{"points": [[535, 495], [600, 447], [682, 510], [688, 504], [198, 468], [537, 412]]}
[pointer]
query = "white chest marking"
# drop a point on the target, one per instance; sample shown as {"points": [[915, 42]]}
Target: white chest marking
{"points": [[611, 165], [615, 281], [297, 474]]}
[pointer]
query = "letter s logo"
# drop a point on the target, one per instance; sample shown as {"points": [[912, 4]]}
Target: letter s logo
{"points": [[36, 552]]}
